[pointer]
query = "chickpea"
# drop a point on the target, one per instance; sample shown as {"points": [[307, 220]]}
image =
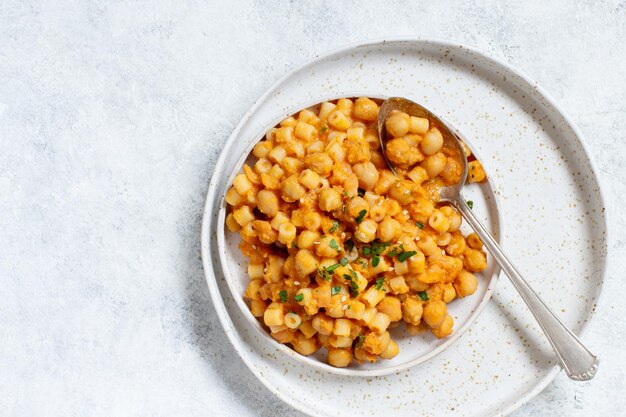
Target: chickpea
{"points": [[445, 328], [474, 260], [355, 206], [449, 293], [432, 142], [305, 263], [319, 162], [307, 238], [391, 351], [329, 200], [366, 231], [412, 310], [367, 174], [309, 178], [418, 125], [402, 191], [389, 229], [397, 150], [304, 346], [474, 241], [386, 179], [475, 172], [465, 284], [339, 358], [339, 121], [434, 164], [291, 190], [398, 124], [391, 306], [267, 202], [434, 312], [365, 109], [325, 247]]}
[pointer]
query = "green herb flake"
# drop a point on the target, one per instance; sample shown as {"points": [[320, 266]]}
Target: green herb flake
{"points": [[406, 255], [470, 204], [344, 261], [419, 224], [333, 244], [354, 287], [375, 260], [335, 290], [423, 295], [361, 192], [360, 217], [363, 263], [393, 252], [349, 244], [335, 227], [331, 269], [299, 297], [361, 339], [294, 245], [366, 250], [379, 247], [354, 275], [345, 193], [379, 283], [283, 296], [324, 274], [323, 129]]}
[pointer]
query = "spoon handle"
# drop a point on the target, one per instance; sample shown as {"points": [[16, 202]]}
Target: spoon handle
{"points": [[579, 362]]}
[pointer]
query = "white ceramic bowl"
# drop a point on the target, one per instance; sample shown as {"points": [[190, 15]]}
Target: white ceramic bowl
{"points": [[413, 349]]}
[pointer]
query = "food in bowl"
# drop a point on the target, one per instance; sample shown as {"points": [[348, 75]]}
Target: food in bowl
{"points": [[341, 250]]}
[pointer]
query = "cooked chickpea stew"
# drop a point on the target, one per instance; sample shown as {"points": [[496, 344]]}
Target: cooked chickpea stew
{"points": [[341, 250]]}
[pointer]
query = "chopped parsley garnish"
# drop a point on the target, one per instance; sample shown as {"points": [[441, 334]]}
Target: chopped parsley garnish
{"points": [[361, 339], [323, 129], [335, 290], [349, 244], [363, 263], [361, 192], [406, 255], [360, 217], [375, 260], [345, 193], [470, 204], [283, 296], [294, 245], [344, 261], [393, 252], [324, 274], [299, 297], [354, 287], [423, 295], [419, 224], [379, 247], [379, 283], [367, 250], [335, 227], [331, 269], [333, 244]]}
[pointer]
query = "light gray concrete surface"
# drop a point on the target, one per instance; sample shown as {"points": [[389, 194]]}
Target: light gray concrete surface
{"points": [[112, 115]]}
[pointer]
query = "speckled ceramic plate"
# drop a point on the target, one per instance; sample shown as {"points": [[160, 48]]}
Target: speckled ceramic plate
{"points": [[548, 196], [413, 349]]}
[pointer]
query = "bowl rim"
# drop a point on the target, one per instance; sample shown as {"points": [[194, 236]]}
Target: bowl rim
{"points": [[206, 232], [311, 361]]}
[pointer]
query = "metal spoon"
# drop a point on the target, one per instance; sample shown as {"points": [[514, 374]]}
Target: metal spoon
{"points": [[578, 361]]}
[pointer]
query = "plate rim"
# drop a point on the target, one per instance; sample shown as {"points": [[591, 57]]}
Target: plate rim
{"points": [[205, 237]]}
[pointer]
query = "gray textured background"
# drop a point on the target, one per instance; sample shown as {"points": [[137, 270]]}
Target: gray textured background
{"points": [[112, 115]]}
